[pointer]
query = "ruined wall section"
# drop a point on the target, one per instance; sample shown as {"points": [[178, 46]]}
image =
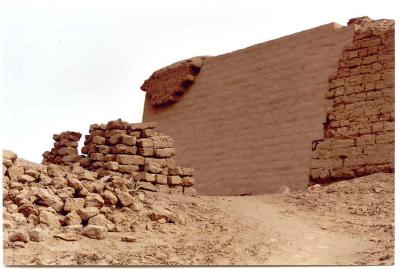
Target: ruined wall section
{"points": [[248, 121], [65, 150], [135, 152], [359, 131], [166, 85]]}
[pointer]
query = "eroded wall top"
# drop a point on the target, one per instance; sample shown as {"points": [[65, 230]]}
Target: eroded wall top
{"points": [[167, 84]]}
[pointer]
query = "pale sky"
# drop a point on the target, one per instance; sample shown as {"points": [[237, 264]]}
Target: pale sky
{"points": [[68, 64]]}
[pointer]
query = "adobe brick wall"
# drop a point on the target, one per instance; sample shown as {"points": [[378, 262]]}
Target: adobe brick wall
{"points": [[359, 131], [248, 122]]}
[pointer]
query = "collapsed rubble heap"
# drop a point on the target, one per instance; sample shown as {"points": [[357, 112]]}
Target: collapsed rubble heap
{"points": [[65, 150], [69, 202], [136, 151]]}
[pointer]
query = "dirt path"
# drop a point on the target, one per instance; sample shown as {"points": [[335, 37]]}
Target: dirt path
{"points": [[292, 238]]}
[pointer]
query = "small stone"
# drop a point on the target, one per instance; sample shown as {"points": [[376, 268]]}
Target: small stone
{"points": [[130, 239], [7, 163], [130, 159], [28, 209], [15, 171], [125, 198], [164, 153], [26, 178], [148, 186], [162, 221], [188, 171], [163, 142], [88, 175], [115, 139], [188, 181], [148, 177], [95, 232], [190, 191], [51, 200], [94, 200], [74, 183], [98, 140], [141, 196], [128, 140], [8, 224], [72, 219], [109, 197], [33, 219], [88, 212], [9, 155], [33, 173], [37, 235], [175, 171], [145, 143], [101, 220], [65, 151], [147, 133], [136, 206], [49, 219], [67, 236], [18, 236], [159, 213], [111, 165], [18, 218], [314, 187], [146, 151], [153, 168], [178, 219], [174, 180], [105, 210], [73, 204]]}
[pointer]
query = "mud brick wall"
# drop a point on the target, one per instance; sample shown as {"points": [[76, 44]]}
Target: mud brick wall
{"points": [[248, 121], [65, 150], [359, 131], [137, 152]]}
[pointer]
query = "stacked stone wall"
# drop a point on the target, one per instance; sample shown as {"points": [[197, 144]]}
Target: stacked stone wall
{"points": [[136, 152], [65, 150], [359, 130]]}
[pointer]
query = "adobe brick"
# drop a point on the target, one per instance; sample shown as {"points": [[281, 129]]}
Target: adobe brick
{"points": [[369, 59], [366, 139], [337, 143], [387, 137], [320, 174]]}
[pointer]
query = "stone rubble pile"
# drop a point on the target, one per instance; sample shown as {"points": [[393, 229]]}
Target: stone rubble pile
{"points": [[65, 150], [67, 202], [136, 151]]}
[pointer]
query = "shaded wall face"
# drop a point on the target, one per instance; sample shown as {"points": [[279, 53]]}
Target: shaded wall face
{"points": [[248, 122]]}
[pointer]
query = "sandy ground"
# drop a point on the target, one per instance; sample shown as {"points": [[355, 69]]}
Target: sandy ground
{"points": [[345, 223]]}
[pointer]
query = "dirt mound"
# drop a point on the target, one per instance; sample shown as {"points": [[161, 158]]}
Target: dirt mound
{"points": [[362, 206]]}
